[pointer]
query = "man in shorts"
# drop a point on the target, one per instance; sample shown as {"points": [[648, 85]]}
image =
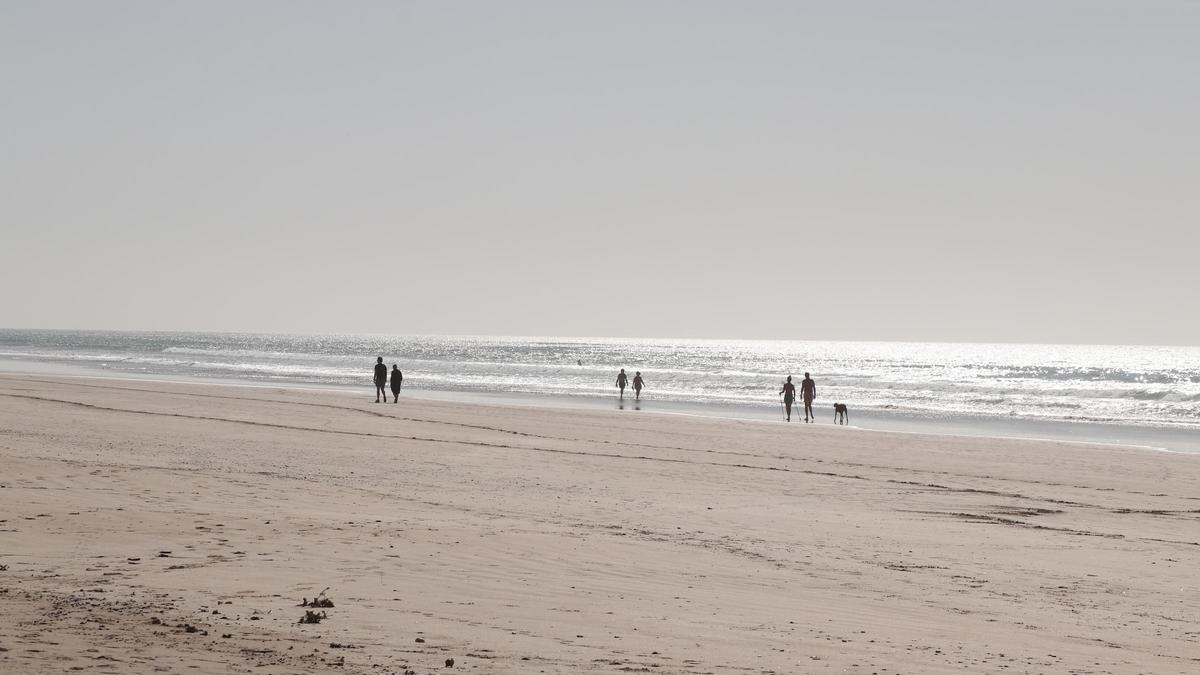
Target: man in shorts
{"points": [[808, 391], [380, 380]]}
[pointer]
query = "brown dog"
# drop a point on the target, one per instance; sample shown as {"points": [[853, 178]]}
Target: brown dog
{"points": [[841, 412]]}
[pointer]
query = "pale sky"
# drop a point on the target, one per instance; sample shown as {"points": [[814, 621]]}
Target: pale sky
{"points": [[981, 171]]}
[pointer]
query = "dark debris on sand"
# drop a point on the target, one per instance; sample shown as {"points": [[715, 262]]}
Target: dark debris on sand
{"points": [[320, 601], [313, 617]]}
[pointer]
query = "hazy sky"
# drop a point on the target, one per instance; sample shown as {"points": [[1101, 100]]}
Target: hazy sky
{"points": [[1007, 171]]}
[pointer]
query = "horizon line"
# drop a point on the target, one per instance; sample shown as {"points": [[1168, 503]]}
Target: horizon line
{"points": [[599, 337]]}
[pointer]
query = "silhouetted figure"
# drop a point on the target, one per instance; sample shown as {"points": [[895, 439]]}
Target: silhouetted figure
{"points": [[808, 390], [621, 380], [380, 379], [789, 395], [841, 414], [397, 382], [637, 385]]}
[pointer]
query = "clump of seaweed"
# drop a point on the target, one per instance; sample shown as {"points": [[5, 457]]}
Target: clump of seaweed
{"points": [[320, 601], [313, 617]]}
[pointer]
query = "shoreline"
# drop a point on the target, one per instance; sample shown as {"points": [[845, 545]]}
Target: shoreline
{"points": [[1157, 438]]}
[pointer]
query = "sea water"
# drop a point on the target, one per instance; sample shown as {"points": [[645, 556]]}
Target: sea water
{"points": [[1144, 386]]}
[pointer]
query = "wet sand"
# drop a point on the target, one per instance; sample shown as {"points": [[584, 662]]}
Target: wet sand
{"points": [[152, 527]]}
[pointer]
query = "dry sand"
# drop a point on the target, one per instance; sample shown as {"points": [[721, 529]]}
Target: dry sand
{"points": [[525, 540]]}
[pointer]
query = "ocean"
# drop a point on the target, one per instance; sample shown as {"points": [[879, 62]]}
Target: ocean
{"points": [[1109, 387]]}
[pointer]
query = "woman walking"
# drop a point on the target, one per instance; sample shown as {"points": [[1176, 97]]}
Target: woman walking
{"points": [[397, 382], [789, 395]]}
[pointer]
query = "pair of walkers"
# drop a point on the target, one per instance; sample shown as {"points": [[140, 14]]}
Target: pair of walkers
{"points": [[638, 383], [808, 391], [381, 381]]}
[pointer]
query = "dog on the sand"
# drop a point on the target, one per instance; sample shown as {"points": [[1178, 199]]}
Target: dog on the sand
{"points": [[841, 414]]}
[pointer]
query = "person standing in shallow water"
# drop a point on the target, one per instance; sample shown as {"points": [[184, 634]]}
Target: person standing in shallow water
{"points": [[637, 385], [380, 380], [808, 390], [789, 395], [621, 381], [397, 382]]}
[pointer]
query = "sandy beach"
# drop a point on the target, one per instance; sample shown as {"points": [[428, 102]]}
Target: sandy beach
{"points": [[153, 527]]}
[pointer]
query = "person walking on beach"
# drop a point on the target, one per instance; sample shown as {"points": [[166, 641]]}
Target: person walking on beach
{"points": [[808, 389], [789, 395], [637, 385], [397, 382], [621, 380], [380, 379]]}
